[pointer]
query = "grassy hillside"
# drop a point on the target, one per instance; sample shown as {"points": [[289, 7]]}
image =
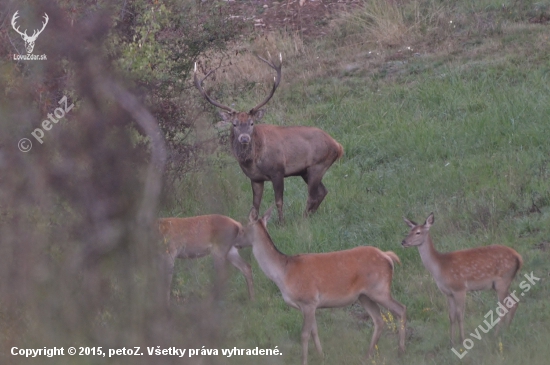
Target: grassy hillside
{"points": [[451, 116]]}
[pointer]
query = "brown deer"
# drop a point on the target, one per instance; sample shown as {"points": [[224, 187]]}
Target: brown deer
{"points": [[457, 272], [327, 280], [271, 153], [195, 237]]}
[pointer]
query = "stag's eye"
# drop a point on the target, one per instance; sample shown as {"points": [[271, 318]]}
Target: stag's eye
{"points": [[418, 232], [251, 123]]}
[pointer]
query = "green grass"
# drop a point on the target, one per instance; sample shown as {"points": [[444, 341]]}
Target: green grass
{"points": [[464, 136]]}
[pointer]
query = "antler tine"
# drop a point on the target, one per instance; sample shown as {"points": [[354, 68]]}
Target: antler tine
{"points": [[276, 80], [13, 20], [44, 23], [198, 85]]}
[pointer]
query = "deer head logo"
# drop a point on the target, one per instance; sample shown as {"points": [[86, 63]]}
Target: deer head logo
{"points": [[29, 40]]}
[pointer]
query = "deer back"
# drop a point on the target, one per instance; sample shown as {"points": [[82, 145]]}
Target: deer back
{"points": [[198, 236]]}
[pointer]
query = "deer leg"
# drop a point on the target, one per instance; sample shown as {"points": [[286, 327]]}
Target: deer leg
{"points": [[374, 312], [307, 329], [452, 316], [460, 302], [257, 192], [316, 337], [502, 287], [220, 267], [244, 267], [400, 311], [320, 195], [322, 192], [316, 189], [278, 182], [167, 262]]}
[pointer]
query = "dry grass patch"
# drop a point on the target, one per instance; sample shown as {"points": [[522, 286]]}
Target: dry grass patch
{"points": [[378, 21]]}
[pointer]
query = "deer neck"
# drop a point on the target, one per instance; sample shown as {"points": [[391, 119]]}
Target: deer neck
{"points": [[270, 259], [430, 257]]}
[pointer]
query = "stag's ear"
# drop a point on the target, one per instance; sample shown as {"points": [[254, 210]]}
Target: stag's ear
{"points": [[409, 223], [266, 216], [226, 116], [259, 114], [253, 215], [429, 221]]}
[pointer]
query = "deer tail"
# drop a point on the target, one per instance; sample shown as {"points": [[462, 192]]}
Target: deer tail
{"points": [[340, 151], [519, 260], [392, 258]]}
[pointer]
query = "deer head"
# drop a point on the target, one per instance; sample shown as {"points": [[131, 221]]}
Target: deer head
{"points": [[242, 122], [29, 40], [417, 235]]}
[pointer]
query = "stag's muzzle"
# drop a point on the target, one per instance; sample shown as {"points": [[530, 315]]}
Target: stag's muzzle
{"points": [[244, 138]]}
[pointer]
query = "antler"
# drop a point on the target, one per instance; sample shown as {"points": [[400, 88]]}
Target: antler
{"points": [[35, 34], [24, 34], [276, 79], [13, 19], [198, 85]]}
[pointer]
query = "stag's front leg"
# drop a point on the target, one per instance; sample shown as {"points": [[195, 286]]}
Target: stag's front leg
{"points": [[279, 188], [257, 192]]}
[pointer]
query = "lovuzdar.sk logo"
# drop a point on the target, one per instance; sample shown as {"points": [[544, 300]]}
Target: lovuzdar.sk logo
{"points": [[29, 39]]}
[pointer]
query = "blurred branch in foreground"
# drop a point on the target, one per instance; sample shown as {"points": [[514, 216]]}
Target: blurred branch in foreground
{"points": [[77, 249]]}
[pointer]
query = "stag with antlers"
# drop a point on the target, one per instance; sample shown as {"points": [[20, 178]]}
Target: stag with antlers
{"points": [[271, 153], [29, 40]]}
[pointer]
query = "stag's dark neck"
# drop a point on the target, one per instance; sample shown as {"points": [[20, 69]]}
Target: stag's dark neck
{"points": [[245, 153]]}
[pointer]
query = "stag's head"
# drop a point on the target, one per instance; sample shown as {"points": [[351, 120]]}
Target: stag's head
{"points": [[29, 40], [242, 123]]}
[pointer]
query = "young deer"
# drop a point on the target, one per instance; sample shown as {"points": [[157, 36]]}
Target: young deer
{"points": [[328, 280], [455, 273], [194, 237]]}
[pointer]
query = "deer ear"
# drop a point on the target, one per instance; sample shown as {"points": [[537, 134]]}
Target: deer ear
{"points": [[267, 215], [253, 215], [259, 114], [410, 223], [226, 117], [429, 221]]}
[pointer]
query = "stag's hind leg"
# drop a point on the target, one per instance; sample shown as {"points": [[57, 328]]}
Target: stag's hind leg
{"points": [[316, 190], [278, 182]]}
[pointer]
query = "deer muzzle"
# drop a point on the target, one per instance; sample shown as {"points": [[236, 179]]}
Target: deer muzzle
{"points": [[244, 138]]}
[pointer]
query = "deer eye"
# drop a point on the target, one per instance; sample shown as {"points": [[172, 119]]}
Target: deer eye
{"points": [[418, 232]]}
